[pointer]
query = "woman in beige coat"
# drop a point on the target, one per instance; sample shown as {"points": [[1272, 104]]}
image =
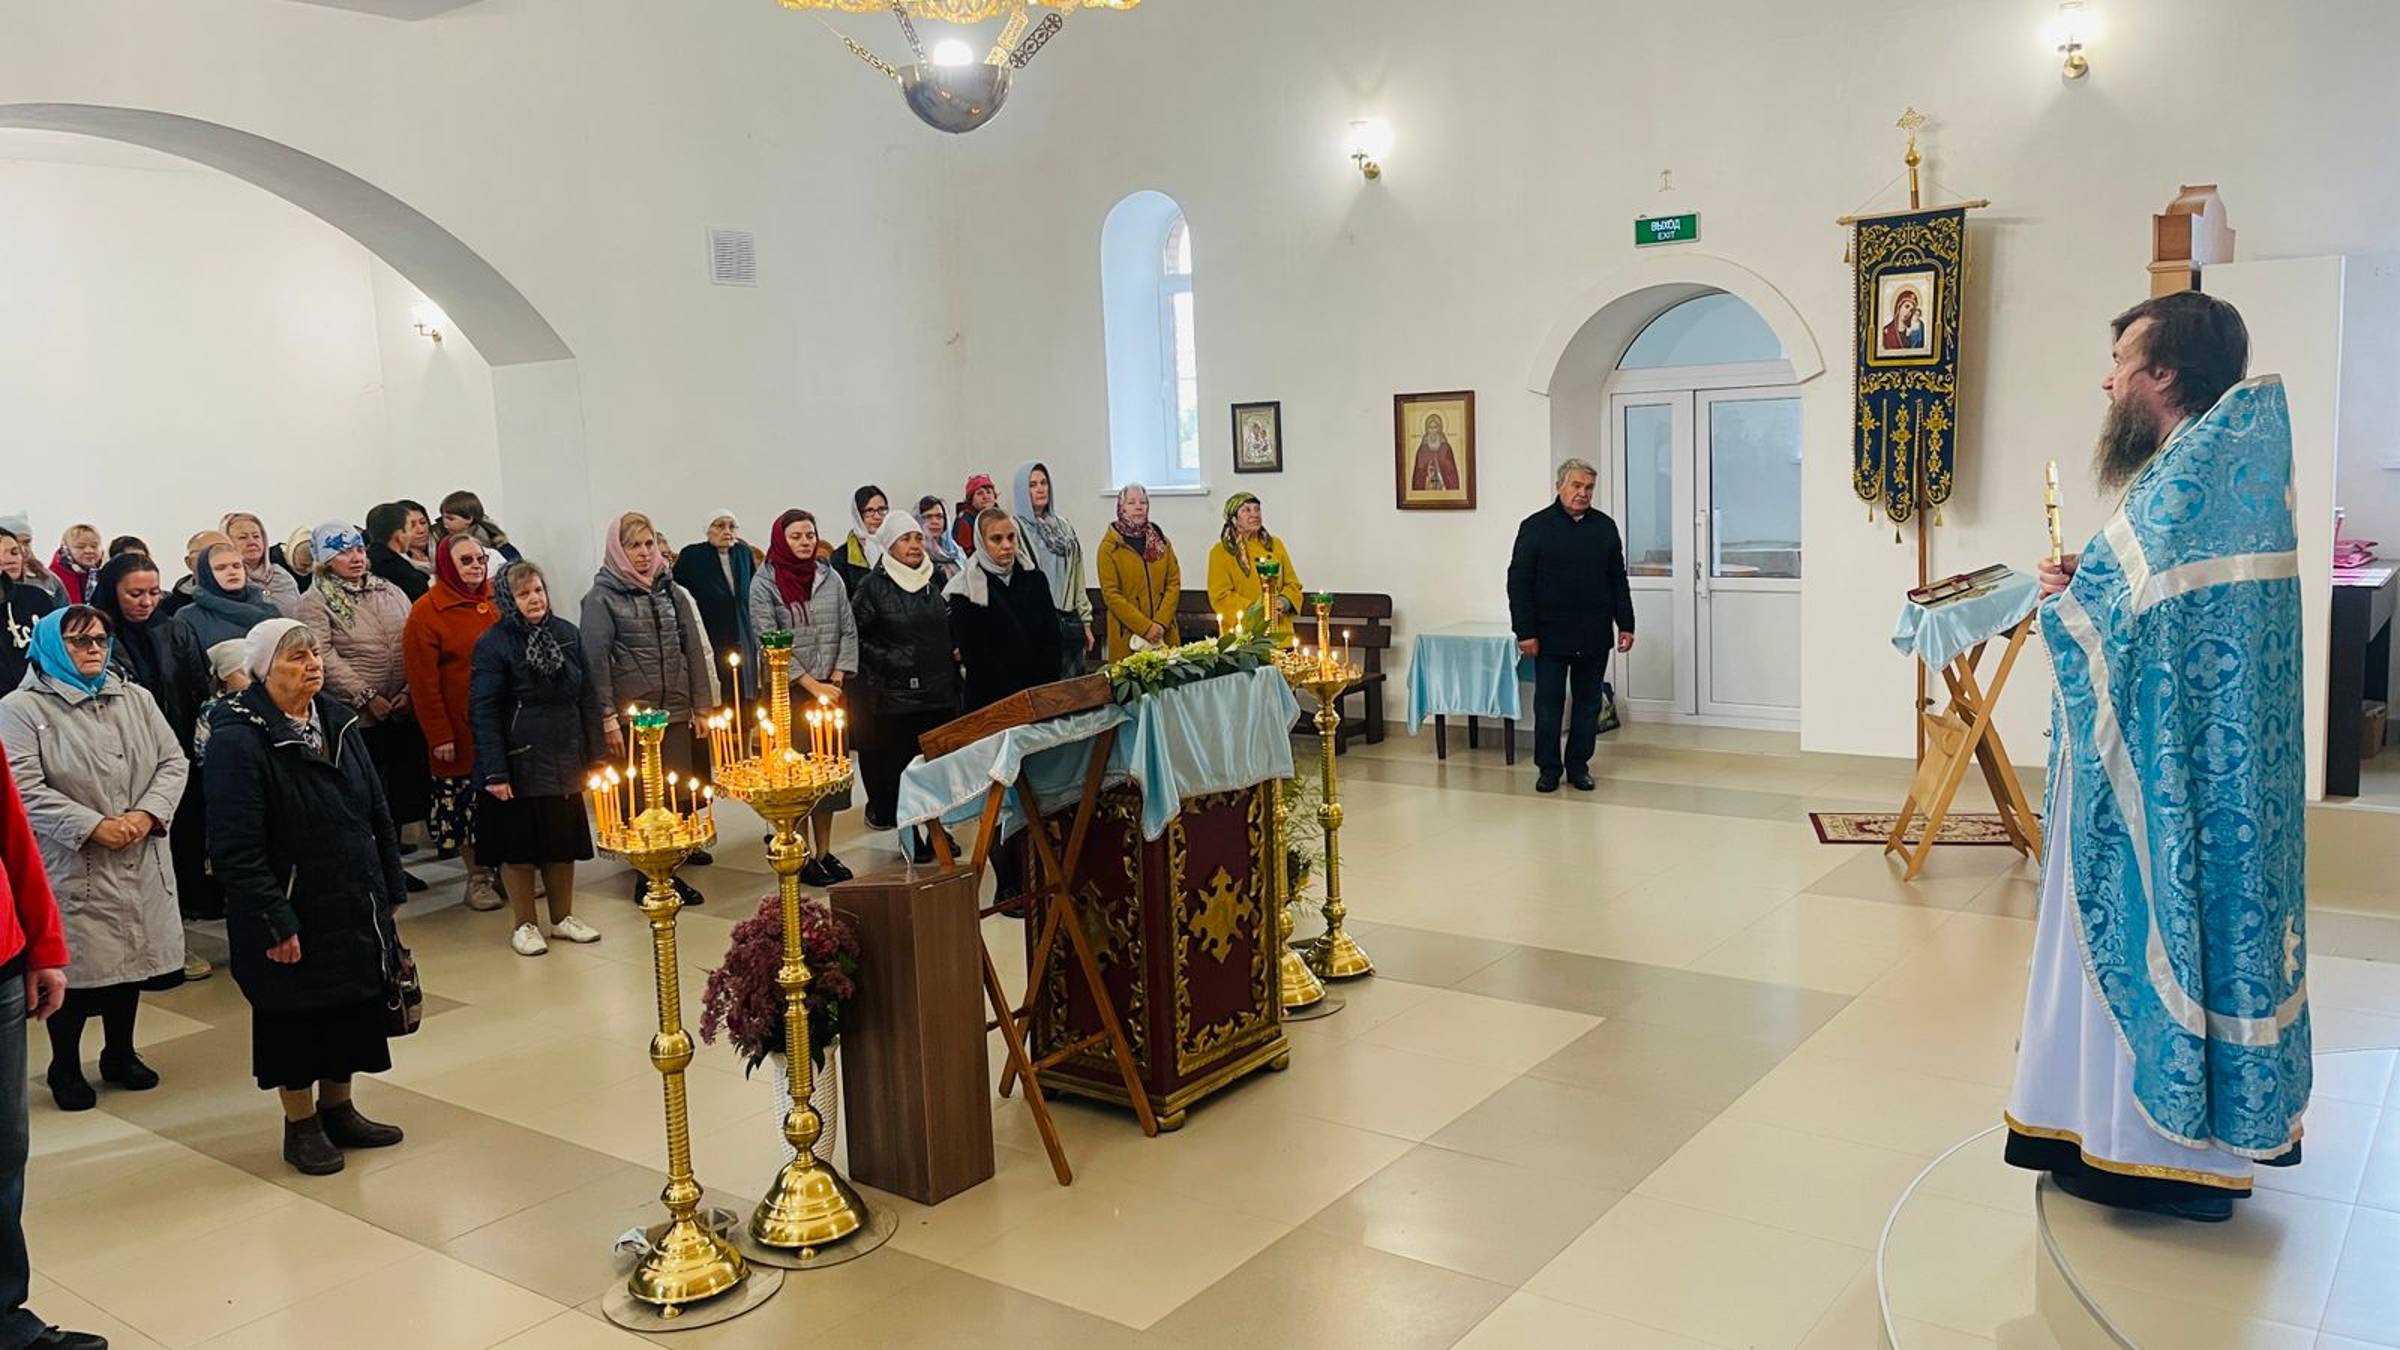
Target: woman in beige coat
{"points": [[101, 773]]}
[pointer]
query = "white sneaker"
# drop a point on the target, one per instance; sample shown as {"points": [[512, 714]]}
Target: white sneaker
{"points": [[197, 968], [528, 940], [573, 929], [482, 894]]}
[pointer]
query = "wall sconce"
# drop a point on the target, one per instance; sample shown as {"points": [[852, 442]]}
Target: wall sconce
{"points": [[2070, 32], [430, 320], [1370, 141]]}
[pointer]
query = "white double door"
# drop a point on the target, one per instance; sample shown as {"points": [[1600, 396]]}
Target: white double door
{"points": [[1705, 486]]}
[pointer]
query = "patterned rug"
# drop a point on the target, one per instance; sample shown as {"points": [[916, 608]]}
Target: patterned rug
{"points": [[1872, 827]]}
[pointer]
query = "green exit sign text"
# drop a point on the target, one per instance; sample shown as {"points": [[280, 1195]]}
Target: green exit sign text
{"points": [[1681, 229]]}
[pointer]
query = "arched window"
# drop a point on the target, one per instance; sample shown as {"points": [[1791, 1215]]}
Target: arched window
{"points": [[1152, 343]]}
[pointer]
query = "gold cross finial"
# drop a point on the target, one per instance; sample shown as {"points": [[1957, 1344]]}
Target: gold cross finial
{"points": [[1912, 122]]}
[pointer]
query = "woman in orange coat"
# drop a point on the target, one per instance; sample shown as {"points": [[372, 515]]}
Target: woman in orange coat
{"points": [[439, 647]]}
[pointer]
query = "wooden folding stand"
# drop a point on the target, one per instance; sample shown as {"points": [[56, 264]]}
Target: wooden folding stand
{"points": [[1961, 734], [1053, 896]]}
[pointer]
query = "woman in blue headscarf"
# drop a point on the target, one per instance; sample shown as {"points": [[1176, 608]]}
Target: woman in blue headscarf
{"points": [[101, 773], [226, 603], [1050, 541]]}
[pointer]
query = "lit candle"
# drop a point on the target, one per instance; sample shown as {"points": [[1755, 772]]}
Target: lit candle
{"points": [[708, 808], [733, 659], [841, 734]]}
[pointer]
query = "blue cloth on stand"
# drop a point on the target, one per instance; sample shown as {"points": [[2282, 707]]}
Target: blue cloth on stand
{"points": [[1936, 634], [1213, 736], [1464, 670]]}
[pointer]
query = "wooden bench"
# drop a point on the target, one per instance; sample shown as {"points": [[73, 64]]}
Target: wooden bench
{"points": [[1365, 616]]}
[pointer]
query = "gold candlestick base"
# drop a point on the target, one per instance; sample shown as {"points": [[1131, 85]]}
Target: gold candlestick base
{"points": [[1336, 955], [1301, 988]]}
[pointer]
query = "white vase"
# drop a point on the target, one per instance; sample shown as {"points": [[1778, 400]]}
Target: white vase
{"points": [[824, 1093]]}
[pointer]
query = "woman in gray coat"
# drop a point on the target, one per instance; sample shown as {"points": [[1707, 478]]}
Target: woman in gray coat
{"points": [[101, 773], [799, 594], [643, 643]]}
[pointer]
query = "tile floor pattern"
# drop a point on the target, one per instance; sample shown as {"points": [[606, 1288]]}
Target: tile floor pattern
{"points": [[1642, 1068]]}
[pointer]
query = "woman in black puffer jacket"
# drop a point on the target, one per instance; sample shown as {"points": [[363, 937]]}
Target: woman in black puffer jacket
{"points": [[538, 732], [907, 676], [303, 845]]}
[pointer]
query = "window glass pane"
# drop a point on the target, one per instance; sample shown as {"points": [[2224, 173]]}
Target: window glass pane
{"points": [[1649, 522], [1187, 384], [1754, 487], [1713, 330], [1178, 260]]}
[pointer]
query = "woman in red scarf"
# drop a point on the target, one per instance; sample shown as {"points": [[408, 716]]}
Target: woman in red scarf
{"points": [[802, 595], [438, 645]]}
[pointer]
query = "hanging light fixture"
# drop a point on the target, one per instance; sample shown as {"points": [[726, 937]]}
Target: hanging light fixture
{"points": [[948, 89]]}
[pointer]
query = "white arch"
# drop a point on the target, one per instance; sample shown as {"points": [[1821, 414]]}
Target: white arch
{"points": [[1611, 313], [493, 314]]}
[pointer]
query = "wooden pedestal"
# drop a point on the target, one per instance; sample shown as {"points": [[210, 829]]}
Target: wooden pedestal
{"points": [[919, 1109], [1183, 929]]}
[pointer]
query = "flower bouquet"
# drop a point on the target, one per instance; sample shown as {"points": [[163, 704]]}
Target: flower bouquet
{"points": [[1244, 647], [743, 1002]]}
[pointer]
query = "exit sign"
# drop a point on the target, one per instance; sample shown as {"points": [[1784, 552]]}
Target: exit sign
{"points": [[1681, 229]]}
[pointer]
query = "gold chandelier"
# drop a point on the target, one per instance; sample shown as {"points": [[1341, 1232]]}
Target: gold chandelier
{"points": [[950, 89]]}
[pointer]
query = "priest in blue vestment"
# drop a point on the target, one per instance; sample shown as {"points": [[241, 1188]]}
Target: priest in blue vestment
{"points": [[2165, 1051]]}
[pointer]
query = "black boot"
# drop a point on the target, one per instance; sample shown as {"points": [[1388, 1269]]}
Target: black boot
{"points": [[835, 868], [348, 1129], [59, 1338], [70, 1089], [701, 858], [307, 1149], [128, 1072], [815, 873]]}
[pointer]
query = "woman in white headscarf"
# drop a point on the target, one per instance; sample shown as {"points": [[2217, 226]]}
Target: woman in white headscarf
{"points": [[907, 680], [1051, 542]]}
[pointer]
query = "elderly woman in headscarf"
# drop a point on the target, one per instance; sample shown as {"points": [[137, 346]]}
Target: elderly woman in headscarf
{"points": [[717, 572], [163, 657], [857, 556], [799, 594], [20, 524], [250, 537], [537, 732], [293, 556], [1140, 578], [300, 837], [22, 604], [907, 678], [77, 562], [225, 603], [947, 556], [101, 774], [981, 496], [462, 513], [1235, 582], [437, 644], [644, 644], [360, 620], [1047, 537], [1006, 633]]}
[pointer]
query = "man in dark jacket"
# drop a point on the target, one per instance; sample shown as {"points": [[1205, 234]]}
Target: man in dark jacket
{"points": [[1569, 602], [387, 550]]}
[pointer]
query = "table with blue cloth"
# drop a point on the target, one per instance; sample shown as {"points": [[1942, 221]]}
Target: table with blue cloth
{"points": [[1950, 637], [1147, 880], [1466, 670]]}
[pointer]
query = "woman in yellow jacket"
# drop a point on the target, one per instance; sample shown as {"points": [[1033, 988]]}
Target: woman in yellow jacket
{"points": [[1140, 579], [1233, 580]]}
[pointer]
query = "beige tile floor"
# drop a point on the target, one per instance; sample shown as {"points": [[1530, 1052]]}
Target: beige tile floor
{"points": [[1645, 1067]]}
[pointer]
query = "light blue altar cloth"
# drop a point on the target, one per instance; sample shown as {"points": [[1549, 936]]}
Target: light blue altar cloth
{"points": [[1464, 670], [1936, 634], [1213, 736]]}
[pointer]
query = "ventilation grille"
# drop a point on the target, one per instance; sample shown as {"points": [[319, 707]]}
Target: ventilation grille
{"points": [[732, 257]]}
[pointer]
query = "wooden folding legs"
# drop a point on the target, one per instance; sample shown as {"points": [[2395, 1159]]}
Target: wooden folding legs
{"points": [[1054, 900], [1964, 734]]}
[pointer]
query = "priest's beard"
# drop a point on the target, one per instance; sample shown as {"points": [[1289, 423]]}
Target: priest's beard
{"points": [[2129, 436]]}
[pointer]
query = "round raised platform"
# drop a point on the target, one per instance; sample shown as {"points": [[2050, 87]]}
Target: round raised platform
{"points": [[1977, 1252]]}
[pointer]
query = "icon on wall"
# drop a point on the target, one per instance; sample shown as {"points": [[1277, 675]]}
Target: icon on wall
{"points": [[1433, 465], [1258, 438]]}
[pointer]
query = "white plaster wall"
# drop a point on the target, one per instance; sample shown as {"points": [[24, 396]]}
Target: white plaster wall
{"points": [[1528, 139], [178, 344]]}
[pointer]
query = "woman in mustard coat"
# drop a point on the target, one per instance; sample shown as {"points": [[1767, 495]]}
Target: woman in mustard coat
{"points": [[1140, 578]]}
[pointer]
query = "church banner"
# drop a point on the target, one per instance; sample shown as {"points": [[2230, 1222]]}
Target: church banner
{"points": [[1911, 270]]}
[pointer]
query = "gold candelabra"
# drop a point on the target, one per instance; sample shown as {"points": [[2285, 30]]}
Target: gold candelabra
{"points": [[809, 1206], [1325, 671], [655, 821]]}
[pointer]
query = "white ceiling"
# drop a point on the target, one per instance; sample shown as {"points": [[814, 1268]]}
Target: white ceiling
{"points": [[395, 9]]}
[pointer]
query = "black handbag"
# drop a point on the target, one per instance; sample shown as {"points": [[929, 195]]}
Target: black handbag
{"points": [[403, 997]]}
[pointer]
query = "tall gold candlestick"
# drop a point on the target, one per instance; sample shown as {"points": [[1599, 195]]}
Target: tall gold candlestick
{"points": [[686, 1263], [810, 1206], [1335, 955]]}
